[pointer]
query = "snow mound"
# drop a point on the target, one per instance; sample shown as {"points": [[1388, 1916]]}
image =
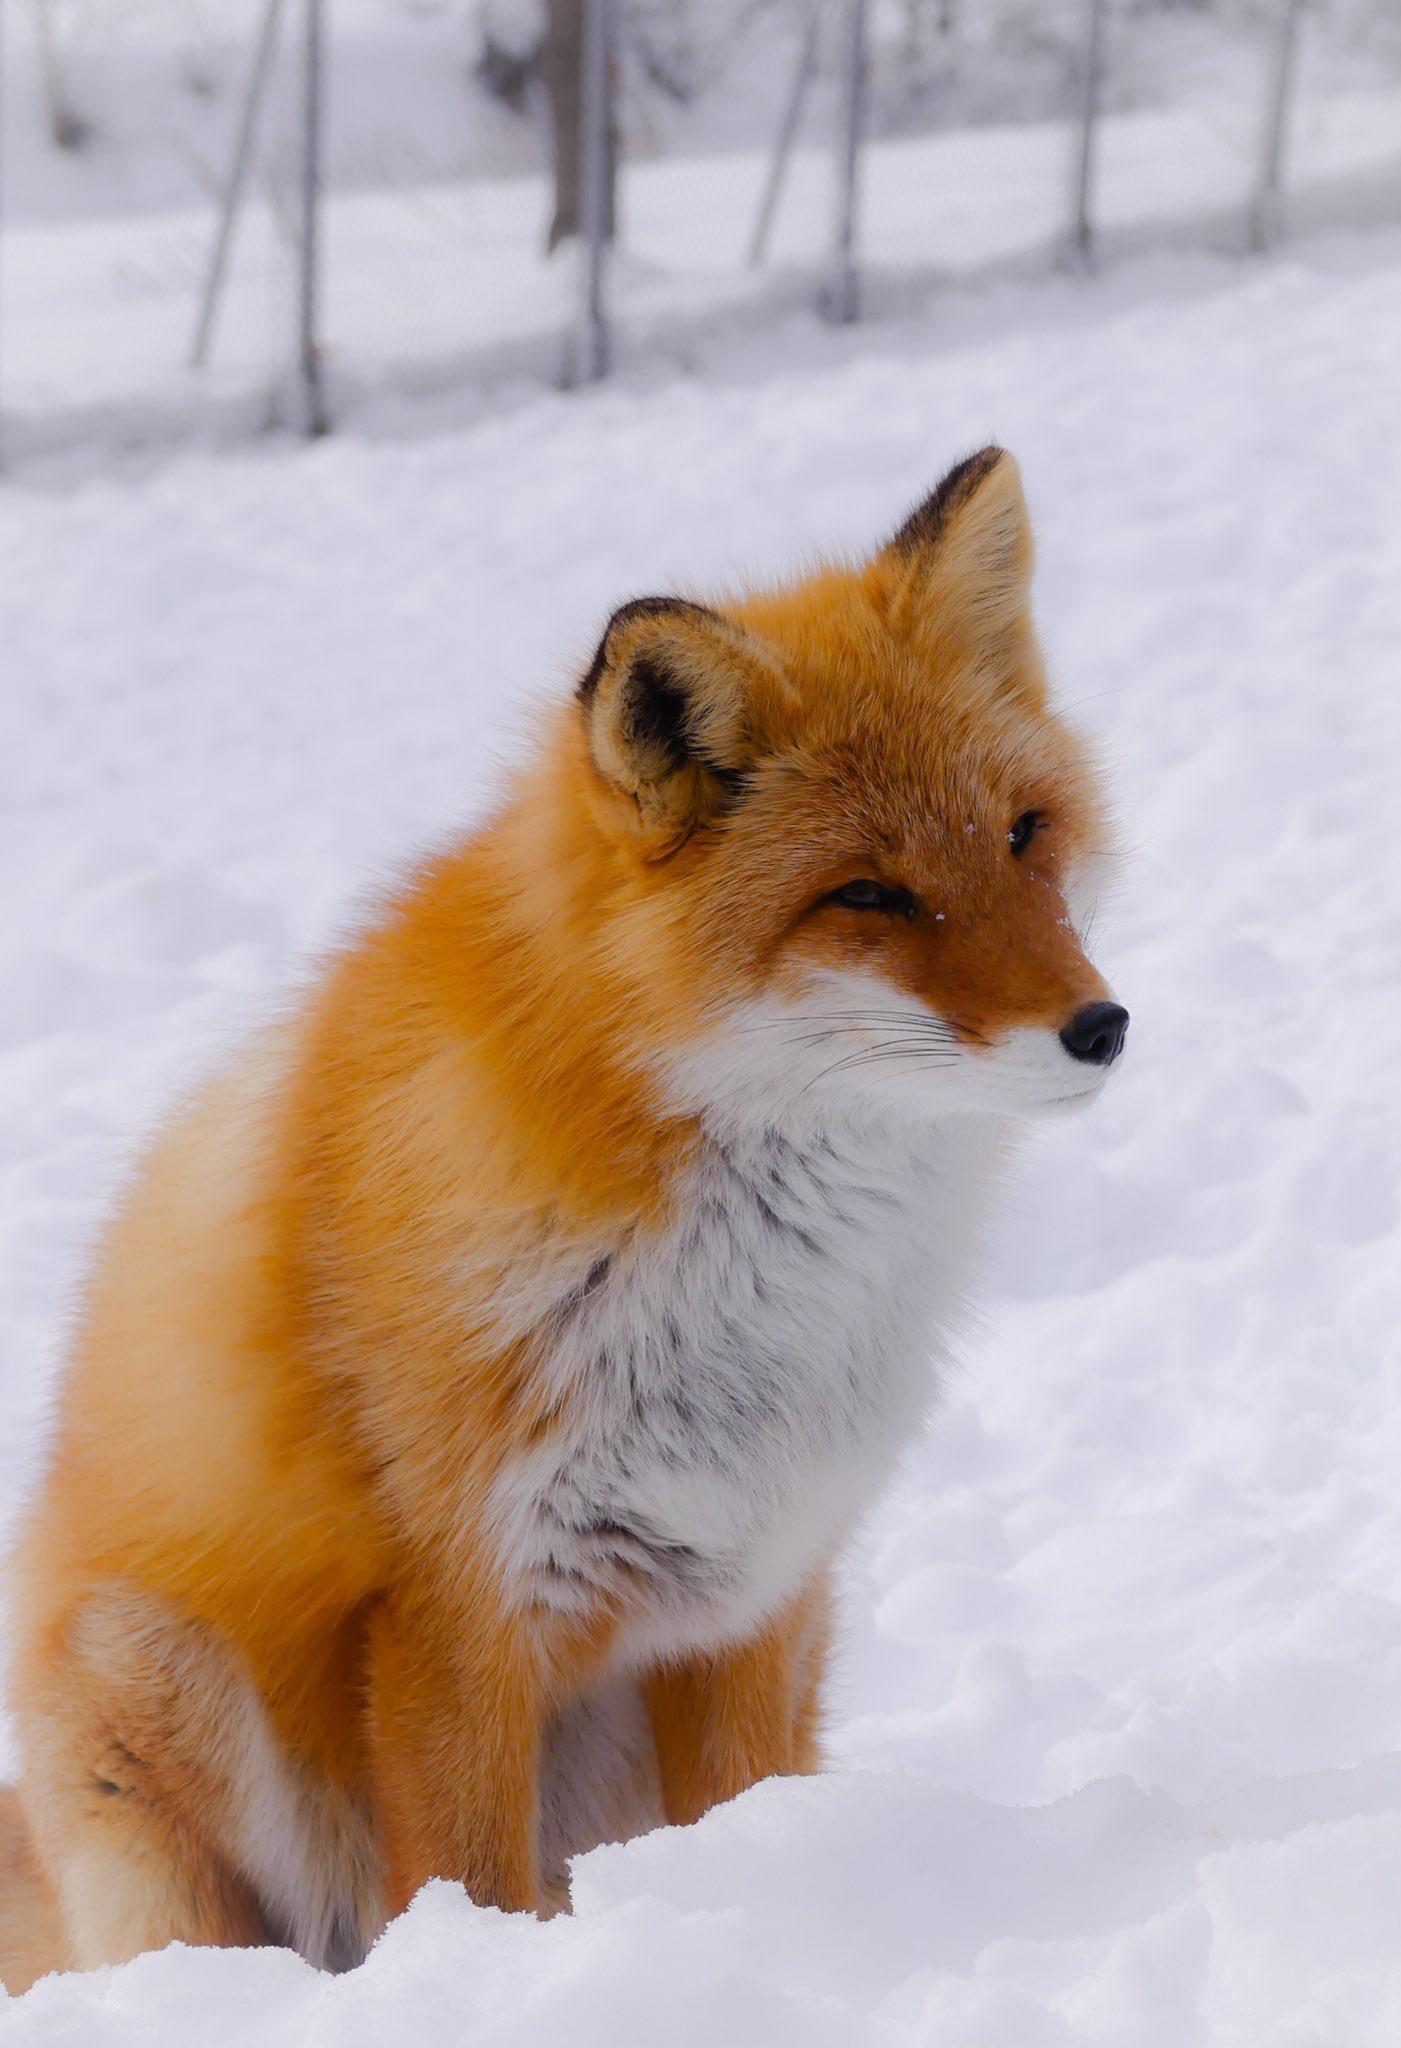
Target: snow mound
{"points": [[875, 1909]]}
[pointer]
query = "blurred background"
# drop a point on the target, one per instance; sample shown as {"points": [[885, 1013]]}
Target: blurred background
{"points": [[208, 207]]}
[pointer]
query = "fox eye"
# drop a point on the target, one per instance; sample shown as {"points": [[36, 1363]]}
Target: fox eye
{"points": [[1024, 831], [868, 895]]}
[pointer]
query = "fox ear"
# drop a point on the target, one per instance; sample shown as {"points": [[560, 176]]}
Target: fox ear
{"points": [[962, 560], [669, 706]]}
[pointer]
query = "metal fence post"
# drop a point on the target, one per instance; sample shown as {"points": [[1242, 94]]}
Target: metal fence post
{"points": [[1082, 230], [314, 420], [589, 353], [842, 299], [238, 178], [787, 135], [1267, 209]]}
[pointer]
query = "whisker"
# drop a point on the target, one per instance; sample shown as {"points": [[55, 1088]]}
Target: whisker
{"points": [[905, 1052], [887, 1016], [933, 1029], [899, 1045], [877, 1056]]}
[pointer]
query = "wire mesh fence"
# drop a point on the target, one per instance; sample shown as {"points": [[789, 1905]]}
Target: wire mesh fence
{"points": [[238, 210]]}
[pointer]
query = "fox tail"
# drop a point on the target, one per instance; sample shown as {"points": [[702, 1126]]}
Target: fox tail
{"points": [[31, 1934]]}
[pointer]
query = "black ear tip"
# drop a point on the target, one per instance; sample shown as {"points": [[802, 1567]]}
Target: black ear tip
{"points": [[965, 476], [635, 608], [925, 525], [588, 681]]}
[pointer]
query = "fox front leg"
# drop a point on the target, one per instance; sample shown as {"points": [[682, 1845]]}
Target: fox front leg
{"points": [[456, 1706], [723, 1722]]}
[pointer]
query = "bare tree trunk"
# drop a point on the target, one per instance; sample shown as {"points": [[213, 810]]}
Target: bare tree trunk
{"points": [[1083, 231], [314, 419], [68, 129], [840, 302], [914, 9], [563, 66], [921, 15], [1266, 214]]}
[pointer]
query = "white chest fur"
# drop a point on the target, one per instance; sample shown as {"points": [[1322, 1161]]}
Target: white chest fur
{"points": [[739, 1386]]}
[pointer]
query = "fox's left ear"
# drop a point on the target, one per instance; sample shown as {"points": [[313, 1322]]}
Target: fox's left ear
{"points": [[673, 706], [961, 563]]}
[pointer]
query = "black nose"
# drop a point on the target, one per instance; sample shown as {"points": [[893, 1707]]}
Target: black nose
{"points": [[1096, 1033]]}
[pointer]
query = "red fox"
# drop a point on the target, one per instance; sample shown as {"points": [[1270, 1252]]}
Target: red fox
{"points": [[481, 1380]]}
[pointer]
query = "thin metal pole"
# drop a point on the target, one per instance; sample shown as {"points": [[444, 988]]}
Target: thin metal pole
{"points": [[238, 179], [787, 135], [1266, 214], [1082, 231], [67, 129], [842, 300], [590, 352], [314, 419]]}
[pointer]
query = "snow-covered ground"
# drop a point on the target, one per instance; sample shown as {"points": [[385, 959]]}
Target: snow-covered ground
{"points": [[434, 268], [428, 286], [1118, 1716]]}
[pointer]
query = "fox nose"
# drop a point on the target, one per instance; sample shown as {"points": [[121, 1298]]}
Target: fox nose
{"points": [[1096, 1033]]}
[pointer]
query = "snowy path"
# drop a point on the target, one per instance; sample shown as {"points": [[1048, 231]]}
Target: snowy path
{"points": [[1120, 1710]]}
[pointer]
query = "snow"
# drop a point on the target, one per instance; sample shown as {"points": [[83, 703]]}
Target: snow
{"points": [[426, 284], [433, 230], [1116, 1717]]}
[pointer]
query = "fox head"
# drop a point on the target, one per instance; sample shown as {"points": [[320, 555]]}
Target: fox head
{"points": [[852, 845]]}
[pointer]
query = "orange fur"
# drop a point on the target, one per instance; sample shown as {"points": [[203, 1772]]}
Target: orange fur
{"points": [[31, 1935], [310, 1348], [725, 1721]]}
